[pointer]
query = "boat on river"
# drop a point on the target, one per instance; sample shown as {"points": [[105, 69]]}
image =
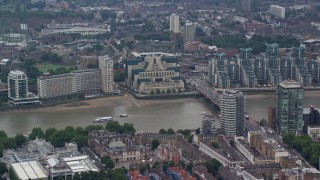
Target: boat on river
{"points": [[124, 115], [103, 119]]}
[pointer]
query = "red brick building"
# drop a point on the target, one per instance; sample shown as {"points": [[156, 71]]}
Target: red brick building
{"points": [[169, 152]]}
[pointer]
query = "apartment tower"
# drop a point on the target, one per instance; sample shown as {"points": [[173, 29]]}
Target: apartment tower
{"points": [[246, 5], [189, 32], [233, 108], [174, 23], [289, 110], [107, 77]]}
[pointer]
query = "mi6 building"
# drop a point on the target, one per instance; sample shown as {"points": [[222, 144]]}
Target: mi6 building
{"points": [[154, 74]]}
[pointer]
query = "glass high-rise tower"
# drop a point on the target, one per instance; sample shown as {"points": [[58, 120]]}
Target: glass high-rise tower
{"points": [[289, 103]]}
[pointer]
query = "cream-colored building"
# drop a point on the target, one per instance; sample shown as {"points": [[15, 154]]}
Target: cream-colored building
{"points": [[174, 23], [314, 132], [86, 81], [266, 146], [107, 77], [154, 74], [56, 85]]}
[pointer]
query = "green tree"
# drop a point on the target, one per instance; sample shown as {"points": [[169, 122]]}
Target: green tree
{"points": [[119, 76], [288, 138], [49, 132], [80, 140], [3, 168], [165, 166], [128, 129], [114, 126], [214, 144], [155, 165], [198, 131], [182, 164], [168, 90], [162, 131], [189, 167], [142, 169], [76, 176], [170, 131], [108, 162], [213, 166], [20, 139], [263, 122], [158, 91], [232, 143], [81, 131], [155, 143], [199, 32], [185, 132], [36, 133], [190, 138], [93, 66], [10, 143], [152, 91], [120, 177]]}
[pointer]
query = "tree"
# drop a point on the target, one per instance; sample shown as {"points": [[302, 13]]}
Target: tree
{"points": [[172, 164], [232, 143], [155, 143], [155, 165], [114, 126], [213, 166], [158, 91], [81, 131], [182, 164], [80, 140], [168, 90], [190, 138], [3, 168], [185, 132], [36, 133], [263, 122], [165, 166], [119, 76], [20, 139], [199, 32], [288, 138], [189, 167], [10, 143], [108, 162], [198, 131], [76, 176], [170, 131], [152, 91], [120, 177], [49, 132], [162, 131], [93, 66], [214, 144], [142, 169], [128, 129]]}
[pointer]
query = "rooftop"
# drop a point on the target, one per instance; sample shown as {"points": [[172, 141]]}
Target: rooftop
{"points": [[28, 170], [290, 84]]}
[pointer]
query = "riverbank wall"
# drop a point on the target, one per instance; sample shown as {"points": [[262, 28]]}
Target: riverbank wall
{"points": [[165, 96]]}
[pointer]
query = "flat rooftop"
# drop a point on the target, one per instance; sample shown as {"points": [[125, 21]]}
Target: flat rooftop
{"points": [[28, 170], [288, 84]]}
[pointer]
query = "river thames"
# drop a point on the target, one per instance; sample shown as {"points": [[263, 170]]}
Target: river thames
{"points": [[176, 114]]}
